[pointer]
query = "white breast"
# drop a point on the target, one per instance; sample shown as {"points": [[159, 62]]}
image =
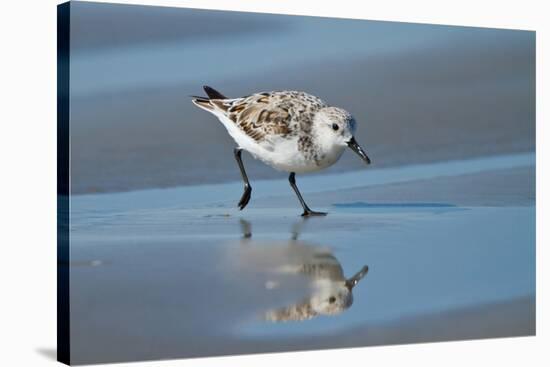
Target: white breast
{"points": [[279, 152]]}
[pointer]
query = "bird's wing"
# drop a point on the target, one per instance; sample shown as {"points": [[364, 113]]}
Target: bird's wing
{"points": [[261, 116], [266, 116]]}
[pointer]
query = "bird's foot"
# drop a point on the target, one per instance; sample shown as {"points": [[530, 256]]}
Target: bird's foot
{"points": [[311, 213], [246, 197]]}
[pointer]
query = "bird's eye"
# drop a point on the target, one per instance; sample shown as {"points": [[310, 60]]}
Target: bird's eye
{"points": [[332, 299], [335, 127]]}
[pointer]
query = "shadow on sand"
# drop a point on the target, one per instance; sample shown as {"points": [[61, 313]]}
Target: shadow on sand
{"points": [[49, 353]]}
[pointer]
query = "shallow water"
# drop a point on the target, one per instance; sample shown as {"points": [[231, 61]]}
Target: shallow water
{"points": [[149, 292], [199, 278]]}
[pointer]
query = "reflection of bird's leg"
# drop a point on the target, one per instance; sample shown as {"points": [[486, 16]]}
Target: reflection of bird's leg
{"points": [[247, 188], [296, 230], [307, 211], [246, 229]]}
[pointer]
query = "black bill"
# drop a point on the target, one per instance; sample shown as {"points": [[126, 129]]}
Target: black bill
{"points": [[352, 282], [357, 149]]}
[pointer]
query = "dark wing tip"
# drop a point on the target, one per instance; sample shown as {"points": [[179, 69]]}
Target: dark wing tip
{"points": [[203, 103], [212, 93], [200, 98]]}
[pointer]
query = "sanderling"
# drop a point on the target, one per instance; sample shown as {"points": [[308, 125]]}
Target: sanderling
{"points": [[288, 130]]}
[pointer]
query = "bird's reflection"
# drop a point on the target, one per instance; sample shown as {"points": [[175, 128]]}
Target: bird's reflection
{"points": [[329, 291]]}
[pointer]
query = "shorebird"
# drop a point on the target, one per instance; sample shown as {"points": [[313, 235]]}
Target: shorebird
{"points": [[288, 130]]}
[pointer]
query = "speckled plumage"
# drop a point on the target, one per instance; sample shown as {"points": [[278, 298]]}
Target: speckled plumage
{"points": [[268, 118], [291, 131], [263, 115]]}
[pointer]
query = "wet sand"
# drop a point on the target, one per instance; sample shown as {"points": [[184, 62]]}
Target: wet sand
{"points": [[168, 273]]}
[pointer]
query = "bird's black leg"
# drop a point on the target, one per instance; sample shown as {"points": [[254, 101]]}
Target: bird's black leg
{"points": [[247, 188], [307, 211]]}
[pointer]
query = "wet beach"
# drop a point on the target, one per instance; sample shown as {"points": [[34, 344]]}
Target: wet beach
{"points": [[171, 273]]}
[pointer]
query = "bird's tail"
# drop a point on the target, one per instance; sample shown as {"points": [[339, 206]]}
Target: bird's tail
{"points": [[204, 102], [212, 93]]}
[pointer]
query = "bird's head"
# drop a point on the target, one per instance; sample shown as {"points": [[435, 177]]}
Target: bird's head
{"points": [[336, 127]]}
